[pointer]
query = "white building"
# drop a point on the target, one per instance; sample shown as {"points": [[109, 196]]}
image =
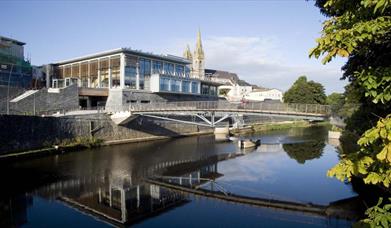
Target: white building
{"points": [[234, 93], [264, 95]]}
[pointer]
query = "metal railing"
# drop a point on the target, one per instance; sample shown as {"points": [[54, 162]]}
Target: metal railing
{"points": [[219, 106]]}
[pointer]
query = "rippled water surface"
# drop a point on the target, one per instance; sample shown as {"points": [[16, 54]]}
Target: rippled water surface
{"points": [[110, 186]]}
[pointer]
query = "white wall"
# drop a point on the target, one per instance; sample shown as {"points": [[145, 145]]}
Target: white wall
{"points": [[272, 94]]}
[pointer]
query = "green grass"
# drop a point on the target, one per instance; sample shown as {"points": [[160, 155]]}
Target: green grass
{"points": [[286, 125]]}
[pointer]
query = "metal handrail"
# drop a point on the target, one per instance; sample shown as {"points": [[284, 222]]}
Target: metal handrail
{"points": [[223, 106]]}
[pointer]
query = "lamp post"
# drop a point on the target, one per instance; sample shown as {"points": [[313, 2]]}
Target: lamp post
{"points": [[8, 89]]}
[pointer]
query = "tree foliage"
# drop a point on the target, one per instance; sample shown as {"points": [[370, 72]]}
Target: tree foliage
{"points": [[373, 161], [378, 215], [305, 92], [361, 31]]}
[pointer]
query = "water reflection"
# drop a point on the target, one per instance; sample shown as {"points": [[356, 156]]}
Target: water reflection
{"points": [[302, 152], [112, 183]]}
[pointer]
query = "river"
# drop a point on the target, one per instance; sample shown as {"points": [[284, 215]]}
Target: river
{"points": [[109, 186]]}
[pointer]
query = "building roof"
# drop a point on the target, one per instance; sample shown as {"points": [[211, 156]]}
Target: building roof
{"points": [[222, 74], [171, 58], [3, 38], [264, 89]]}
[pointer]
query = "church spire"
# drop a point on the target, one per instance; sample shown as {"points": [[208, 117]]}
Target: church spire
{"points": [[198, 59], [187, 53], [199, 52]]}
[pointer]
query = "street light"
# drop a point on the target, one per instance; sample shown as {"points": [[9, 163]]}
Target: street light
{"points": [[8, 89]]}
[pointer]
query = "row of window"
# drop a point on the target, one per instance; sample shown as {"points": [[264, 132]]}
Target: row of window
{"points": [[174, 85]]}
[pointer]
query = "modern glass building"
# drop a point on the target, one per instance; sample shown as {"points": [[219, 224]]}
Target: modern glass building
{"points": [[130, 70]]}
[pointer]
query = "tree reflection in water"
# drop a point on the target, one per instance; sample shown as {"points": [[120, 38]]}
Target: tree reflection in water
{"points": [[307, 150], [302, 152]]}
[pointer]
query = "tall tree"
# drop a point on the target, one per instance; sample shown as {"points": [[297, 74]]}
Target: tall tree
{"points": [[305, 92], [361, 31]]}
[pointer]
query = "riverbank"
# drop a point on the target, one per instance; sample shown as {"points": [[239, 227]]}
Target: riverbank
{"points": [[78, 145], [83, 135], [260, 127]]}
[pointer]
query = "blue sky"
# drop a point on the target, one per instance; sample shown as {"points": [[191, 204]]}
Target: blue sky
{"points": [[264, 42]]}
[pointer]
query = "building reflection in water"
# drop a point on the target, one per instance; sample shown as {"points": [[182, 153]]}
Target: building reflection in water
{"points": [[123, 198], [13, 211]]}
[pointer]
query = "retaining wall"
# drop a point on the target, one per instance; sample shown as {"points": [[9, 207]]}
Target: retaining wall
{"points": [[21, 133]]}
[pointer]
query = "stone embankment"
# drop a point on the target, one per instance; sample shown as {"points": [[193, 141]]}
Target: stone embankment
{"points": [[23, 133]]}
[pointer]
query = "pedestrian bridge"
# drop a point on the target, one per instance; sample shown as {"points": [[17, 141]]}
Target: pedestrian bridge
{"points": [[211, 113]]}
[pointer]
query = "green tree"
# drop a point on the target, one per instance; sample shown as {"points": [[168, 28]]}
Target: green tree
{"points": [[334, 99], [305, 92], [361, 31]]}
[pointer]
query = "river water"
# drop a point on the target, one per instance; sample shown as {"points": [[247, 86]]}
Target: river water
{"points": [[109, 186]]}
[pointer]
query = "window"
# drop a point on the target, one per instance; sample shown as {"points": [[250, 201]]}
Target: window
{"points": [[185, 87], [175, 85], [187, 71], [130, 77], [194, 87], [212, 91], [157, 67], [179, 70], [145, 70], [204, 89], [164, 84], [168, 68]]}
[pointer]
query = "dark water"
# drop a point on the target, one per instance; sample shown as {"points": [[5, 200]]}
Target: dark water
{"points": [[107, 186]]}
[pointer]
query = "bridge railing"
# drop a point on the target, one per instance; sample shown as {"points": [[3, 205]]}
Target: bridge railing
{"points": [[226, 106]]}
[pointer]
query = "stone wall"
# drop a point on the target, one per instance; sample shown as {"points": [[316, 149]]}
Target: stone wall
{"points": [[44, 101], [13, 92], [20, 133]]}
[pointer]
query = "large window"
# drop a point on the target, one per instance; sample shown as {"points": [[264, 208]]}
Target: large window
{"points": [[194, 87], [157, 67], [212, 91], [130, 77], [164, 84], [168, 68], [185, 87], [204, 89], [179, 70], [145, 71], [115, 71], [84, 74], [104, 72], [175, 85]]}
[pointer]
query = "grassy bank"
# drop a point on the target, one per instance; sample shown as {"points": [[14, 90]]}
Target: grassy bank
{"points": [[285, 125]]}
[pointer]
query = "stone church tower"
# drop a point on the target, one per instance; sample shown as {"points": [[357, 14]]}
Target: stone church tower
{"points": [[198, 59]]}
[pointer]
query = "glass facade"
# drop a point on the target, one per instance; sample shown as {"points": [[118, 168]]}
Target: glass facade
{"points": [[157, 67], [179, 70], [204, 89], [115, 63], [185, 87], [212, 90], [172, 77], [175, 85], [164, 84], [168, 68], [194, 87], [145, 71], [130, 77]]}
